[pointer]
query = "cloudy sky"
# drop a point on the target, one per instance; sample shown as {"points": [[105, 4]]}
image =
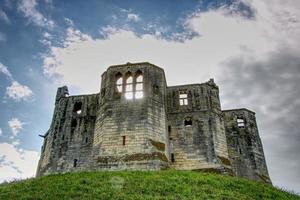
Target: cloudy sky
{"points": [[250, 47]]}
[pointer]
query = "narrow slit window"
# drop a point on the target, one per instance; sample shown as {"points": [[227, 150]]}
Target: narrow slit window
{"points": [[119, 83], [183, 100], [172, 157], [240, 122], [139, 87], [75, 163], [129, 88], [123, 140]]}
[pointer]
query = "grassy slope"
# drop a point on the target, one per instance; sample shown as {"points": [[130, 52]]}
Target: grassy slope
{"points": [[140, 185]]}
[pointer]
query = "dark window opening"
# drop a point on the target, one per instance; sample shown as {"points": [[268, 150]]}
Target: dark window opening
{"points": [[156, 89], [124, 140], [249, 141], [169, 129], [77, 108], [86, 140], [240, 150], [188, 122], [75, 163], [73, 125], [172, 157], [63, 137], [171, 138]]}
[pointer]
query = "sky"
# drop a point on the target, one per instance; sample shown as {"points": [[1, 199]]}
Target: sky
{"points": [[250, 47]]}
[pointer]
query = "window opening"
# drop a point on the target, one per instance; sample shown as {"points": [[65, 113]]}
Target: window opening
{"points": [[119, 83], [240, 122], [75, 163], [172, 157], [188, 122], [169, 129], [183, 100], [123, 140], [77, 108], [86, 140], [139, 86], [129, 88]]}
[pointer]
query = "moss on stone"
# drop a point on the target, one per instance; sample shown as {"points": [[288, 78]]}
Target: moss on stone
{"points": [[145, 156], [225, 161], [159, 145]]}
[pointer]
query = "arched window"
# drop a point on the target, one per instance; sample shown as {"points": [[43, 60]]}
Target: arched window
{"points": [[139, 86], [129, 87], [119, 82]]}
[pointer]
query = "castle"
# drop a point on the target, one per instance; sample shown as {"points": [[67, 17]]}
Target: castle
{"points": [[137, 122]]}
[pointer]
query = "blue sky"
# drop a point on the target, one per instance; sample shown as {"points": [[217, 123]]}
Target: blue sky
{"points": [[251, 48]]}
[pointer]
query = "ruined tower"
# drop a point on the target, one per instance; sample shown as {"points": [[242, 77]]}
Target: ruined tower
{"points": [[137, 122]]}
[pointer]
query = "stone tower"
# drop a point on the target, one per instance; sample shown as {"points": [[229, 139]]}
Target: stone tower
{"points": [[130, 129], [137, 122], [196, 127]]}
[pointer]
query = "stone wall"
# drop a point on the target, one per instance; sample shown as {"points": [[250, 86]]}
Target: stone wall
{"points": [[181, 127], [244, 145], [196, 131], [68, 143], [127, 131]]}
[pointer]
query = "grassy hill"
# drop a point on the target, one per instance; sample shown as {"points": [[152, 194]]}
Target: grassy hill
{"points": [[140, 185]]}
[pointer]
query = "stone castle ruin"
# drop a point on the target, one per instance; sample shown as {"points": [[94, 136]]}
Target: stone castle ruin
{"points": [[137, 122]]}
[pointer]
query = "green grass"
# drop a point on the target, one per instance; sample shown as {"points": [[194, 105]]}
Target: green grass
{"points": [[168, 184]]}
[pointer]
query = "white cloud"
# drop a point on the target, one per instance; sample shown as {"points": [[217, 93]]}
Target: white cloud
{"points": [[133, 17], [4, 17], [15, 91], [18, 92], [0, 131], [69, 21], [28, 8], [222, 36], [17, 163], [16, 142], [15, 125], [5, 71]]}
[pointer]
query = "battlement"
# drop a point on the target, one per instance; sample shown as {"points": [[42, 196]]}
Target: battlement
{"points": [[137, 122]]}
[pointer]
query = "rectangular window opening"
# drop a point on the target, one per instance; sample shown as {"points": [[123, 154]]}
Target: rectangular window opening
{"points": [[75, 163], [123, 140], [183, 99], [169, 129], [240, 122], [172, 157]]}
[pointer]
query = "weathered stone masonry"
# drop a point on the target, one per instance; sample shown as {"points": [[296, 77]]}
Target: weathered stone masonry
{"points": [[137, 122]]}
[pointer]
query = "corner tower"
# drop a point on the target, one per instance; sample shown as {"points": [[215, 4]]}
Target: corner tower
{"points": [[130, 129]]}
